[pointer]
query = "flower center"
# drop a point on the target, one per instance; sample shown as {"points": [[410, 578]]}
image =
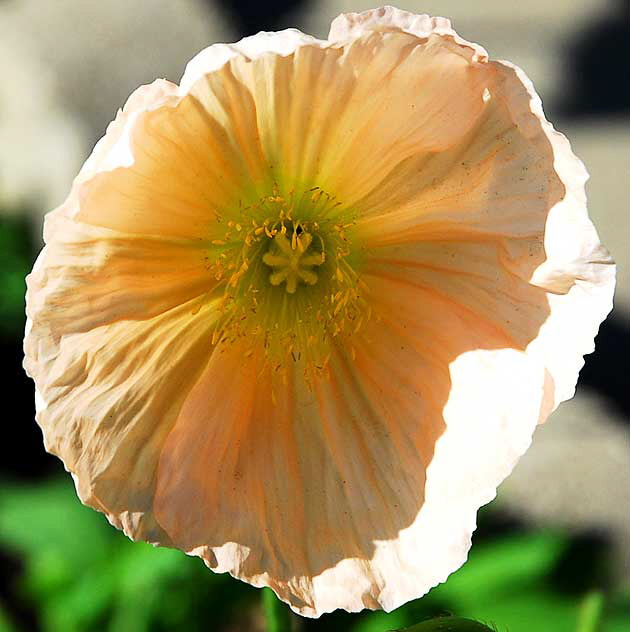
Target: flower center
{"points": [[288, 269], [293, 261]]}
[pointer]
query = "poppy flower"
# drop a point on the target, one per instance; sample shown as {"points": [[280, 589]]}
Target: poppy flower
{"points": [[301, 314]]}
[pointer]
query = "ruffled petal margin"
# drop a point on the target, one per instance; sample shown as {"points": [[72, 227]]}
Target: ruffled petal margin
{"points": [[578, 272]]}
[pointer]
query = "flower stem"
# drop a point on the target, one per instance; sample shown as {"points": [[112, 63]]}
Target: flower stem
{"points": [[277, 614], [590, 613]]}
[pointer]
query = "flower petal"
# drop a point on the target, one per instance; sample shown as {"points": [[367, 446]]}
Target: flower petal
{"points": [[169, 165], [498, 181], [107, 398], [479, 433], [499, 224], [88, 276], [113, 149], [309, 104], [352, 25], [408, 95], [281, 43], [578, 272], [473, 278], [278, 494], [297, 110]]}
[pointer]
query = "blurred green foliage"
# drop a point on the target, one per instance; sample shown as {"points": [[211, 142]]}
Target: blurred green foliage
{"points": [[78, 574], [16, 260]]}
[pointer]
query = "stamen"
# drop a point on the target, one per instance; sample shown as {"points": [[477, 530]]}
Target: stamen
{"points": [[289, 272]]}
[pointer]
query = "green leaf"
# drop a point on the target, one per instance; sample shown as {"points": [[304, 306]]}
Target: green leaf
{"points": [[590, 613], [449, 624], [379, 621], [49, 520], [501, 567], [277, 614]]}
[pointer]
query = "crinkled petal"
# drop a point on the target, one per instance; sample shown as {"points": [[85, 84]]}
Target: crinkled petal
{"points": [[88, 276], [107, 398], [338, 116], [180, 174], [499, 224], [118, 323], [475, 279], [352, 25], [279, 493], [169, 165], [281, 43], [112, 150], [497, 181], [578, 272]]}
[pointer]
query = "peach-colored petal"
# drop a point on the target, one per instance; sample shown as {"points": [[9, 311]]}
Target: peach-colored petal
{"points": [[113, 149], [280, 493], [498, 181], [419, 373], [578, 272], [375, 131], [107, 397], [281, 43], [280, 107], [179, 175], [90, 276], [339, 116], [425, 349], [474, 279], [499, 223], [169, 165], [118, 324]]}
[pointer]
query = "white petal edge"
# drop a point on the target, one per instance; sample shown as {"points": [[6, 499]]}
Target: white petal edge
{"points": [[114, 149], [578, 271], [282, 43], [349, 26]]}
